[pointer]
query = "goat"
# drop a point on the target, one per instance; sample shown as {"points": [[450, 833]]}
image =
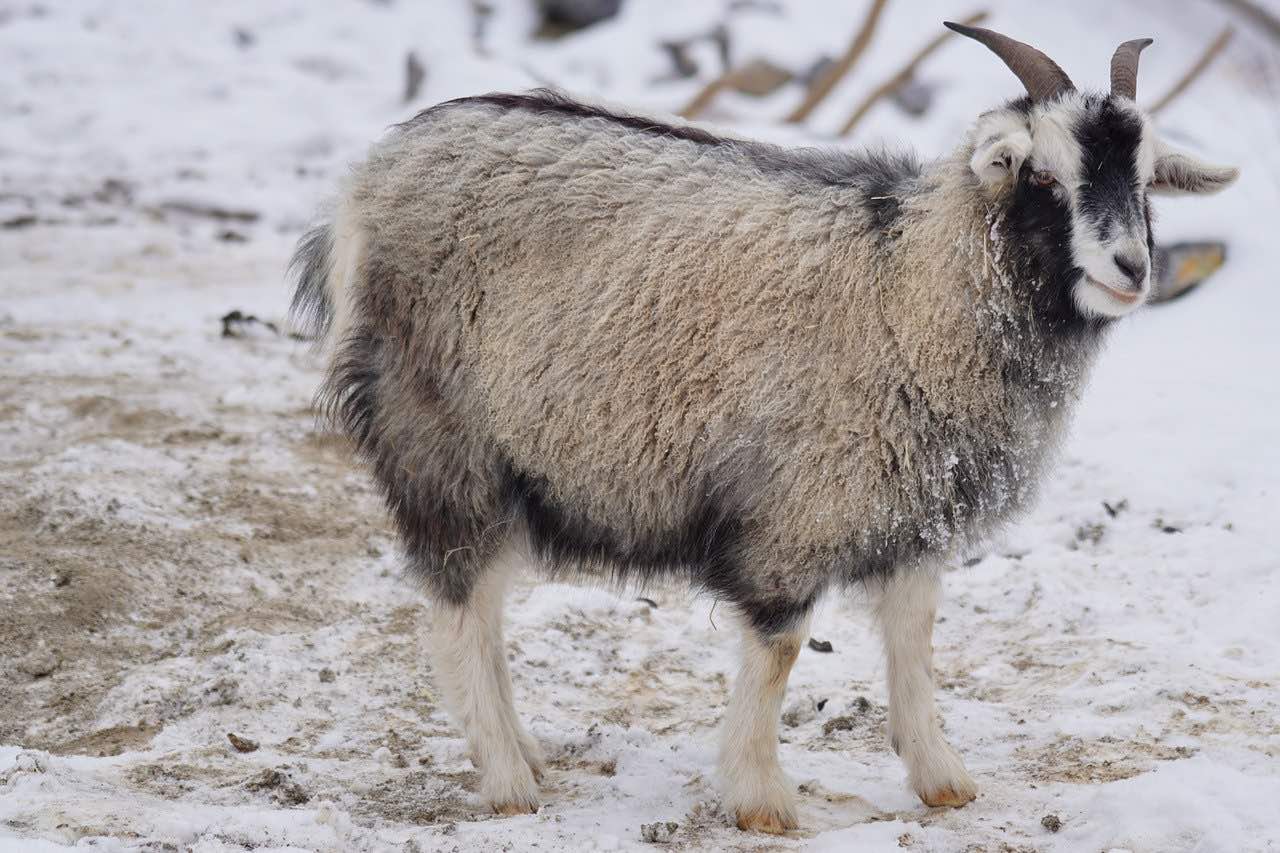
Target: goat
{"points": [[632, 349]]}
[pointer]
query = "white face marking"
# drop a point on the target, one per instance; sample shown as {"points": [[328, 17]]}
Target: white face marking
{"points": [[1113, 258]]}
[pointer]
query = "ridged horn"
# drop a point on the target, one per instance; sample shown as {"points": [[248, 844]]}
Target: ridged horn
{"points": [[1124, 68], [1040, 75]]}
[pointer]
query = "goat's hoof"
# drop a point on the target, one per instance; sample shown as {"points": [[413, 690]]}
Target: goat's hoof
{"points": [[766, 820], [512, 791], [939, 778], [514, 808], [953, 797]]}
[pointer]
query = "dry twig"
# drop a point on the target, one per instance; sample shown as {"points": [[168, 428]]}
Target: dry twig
{"points": [[706, 95], [414, 73], [1266, 21], [758, 77], [888, 87], [827, 81], [1197, 68]]}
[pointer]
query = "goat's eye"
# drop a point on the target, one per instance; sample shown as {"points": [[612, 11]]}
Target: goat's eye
{"points": [[1042, 178]]}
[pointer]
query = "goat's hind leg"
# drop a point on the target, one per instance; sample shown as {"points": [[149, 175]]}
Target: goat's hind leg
{"points": [[469, 660], [506, 565], [905, 605]]}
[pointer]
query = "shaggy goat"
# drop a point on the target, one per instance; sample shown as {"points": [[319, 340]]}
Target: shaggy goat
{"points": [[631, 348]]}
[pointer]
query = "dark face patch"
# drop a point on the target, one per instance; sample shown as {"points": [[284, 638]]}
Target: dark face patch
{"points": [[1111, 199], [1037, 230]]}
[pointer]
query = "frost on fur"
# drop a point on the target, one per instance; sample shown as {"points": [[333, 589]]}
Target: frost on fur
{"points": [[628, 348]]}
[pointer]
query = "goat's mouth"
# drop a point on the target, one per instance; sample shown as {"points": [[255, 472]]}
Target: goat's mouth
{"points": [[1127, 297]]}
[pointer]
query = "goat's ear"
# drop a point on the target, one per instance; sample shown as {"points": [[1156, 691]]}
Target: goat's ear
{"points": [[1001, 145], [1181, 174]]}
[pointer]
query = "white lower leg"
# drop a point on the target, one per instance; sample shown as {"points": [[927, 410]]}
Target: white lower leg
{"points": [[905, 611], [757, 792], [528, 746], [469, 662]]}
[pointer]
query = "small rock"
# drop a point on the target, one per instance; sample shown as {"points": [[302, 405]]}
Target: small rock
{"points": [[327, 676], [40, 663], [1051, 822], [662, 832], [838, 724], [224, 691], [1180, 267], [1119, 507], [242, 744], [283, 790], [237, 324], [575, 14], [823, 646]]}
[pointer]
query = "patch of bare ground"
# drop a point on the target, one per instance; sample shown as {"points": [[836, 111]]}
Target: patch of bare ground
{"points": [[1105, 759]]}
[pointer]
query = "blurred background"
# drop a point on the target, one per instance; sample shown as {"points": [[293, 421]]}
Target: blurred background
{"points": [[184, 558], [256, 107], [234, 119]]}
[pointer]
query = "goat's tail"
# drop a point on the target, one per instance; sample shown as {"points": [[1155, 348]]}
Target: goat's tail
{"points": [[328, 260]]}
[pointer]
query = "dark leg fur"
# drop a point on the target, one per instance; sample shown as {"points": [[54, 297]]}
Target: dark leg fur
{"points": [[440, 482]]}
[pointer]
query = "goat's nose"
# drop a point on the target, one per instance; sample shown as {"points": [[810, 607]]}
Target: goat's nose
{"points": [[1133, 266]]}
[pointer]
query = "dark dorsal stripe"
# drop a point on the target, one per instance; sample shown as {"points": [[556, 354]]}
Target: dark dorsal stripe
{"points": [[550, 101], [821, 165]]}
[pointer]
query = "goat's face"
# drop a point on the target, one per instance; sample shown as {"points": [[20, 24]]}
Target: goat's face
{"points": [[1074, 174]]}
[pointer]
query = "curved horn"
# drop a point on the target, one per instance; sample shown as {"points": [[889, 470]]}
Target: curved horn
{"points": [[1124, 68], [1039, 74]]}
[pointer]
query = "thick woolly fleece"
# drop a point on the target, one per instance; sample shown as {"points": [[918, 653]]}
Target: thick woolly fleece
{"points": [[648, 350]]}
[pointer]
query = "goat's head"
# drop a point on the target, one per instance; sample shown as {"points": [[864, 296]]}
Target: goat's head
{"points": [[1074, 172]]}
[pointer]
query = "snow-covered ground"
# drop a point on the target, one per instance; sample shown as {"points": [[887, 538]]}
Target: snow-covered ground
{"points": [[182, 556]]}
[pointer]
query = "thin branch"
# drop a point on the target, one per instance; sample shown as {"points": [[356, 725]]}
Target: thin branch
{"points": [[1260, 16], [758, 77], [1197, 68], [414, 73], [827, 81], [703, 99], [904, 75]]}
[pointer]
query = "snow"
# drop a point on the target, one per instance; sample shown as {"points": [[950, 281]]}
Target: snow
{"points": [[182, 557]]}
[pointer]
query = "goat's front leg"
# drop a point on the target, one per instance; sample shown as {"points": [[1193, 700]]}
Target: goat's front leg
{"points": [[905, 609], [757, 792]]}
